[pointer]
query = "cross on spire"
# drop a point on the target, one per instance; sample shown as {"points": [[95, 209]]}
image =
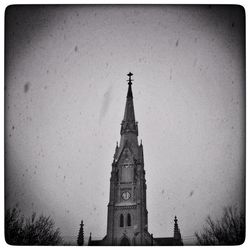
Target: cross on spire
{"points": [[129, 95], [129, 80], [175, 220]]}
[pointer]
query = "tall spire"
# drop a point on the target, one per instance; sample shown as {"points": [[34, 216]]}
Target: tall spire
{"points": [[129, 125]]}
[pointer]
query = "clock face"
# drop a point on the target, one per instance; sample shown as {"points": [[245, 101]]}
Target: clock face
{"points": [[125, 195]]}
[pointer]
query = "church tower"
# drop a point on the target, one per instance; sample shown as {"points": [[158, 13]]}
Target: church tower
{"points": [[127, 211], [127, 223]]}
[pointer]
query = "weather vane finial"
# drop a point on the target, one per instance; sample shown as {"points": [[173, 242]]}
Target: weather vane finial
{"points": [[129, 80]]}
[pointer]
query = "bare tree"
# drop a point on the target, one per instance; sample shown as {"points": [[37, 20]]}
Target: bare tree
{"points": [[229, 230], [30, 231], [13, 226]]}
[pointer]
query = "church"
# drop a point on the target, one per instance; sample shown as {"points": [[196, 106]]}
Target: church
{"points": [[127, 222]]}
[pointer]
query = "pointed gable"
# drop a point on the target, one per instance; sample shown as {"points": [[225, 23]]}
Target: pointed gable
{"points": [[126, 155]]}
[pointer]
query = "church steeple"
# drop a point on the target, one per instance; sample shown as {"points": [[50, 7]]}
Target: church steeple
{"points": [[129, 129], [127, 210], [127, 220]]}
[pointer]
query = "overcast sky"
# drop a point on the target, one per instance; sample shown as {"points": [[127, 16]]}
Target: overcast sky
{"points": [[65, 97]]}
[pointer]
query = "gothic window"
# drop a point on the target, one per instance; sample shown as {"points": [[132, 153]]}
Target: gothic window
{"points": [[121, 220], [129, 220]]}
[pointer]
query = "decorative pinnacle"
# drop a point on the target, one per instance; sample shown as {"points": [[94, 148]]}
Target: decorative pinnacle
{"points": [[175, 220], [129, 80]]}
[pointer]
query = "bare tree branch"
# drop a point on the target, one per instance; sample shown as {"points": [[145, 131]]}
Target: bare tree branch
{"points": [[229, 230]]}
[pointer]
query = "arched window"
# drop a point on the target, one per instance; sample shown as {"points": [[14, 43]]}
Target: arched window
{"points": [[121, 220], [128, 220]]}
